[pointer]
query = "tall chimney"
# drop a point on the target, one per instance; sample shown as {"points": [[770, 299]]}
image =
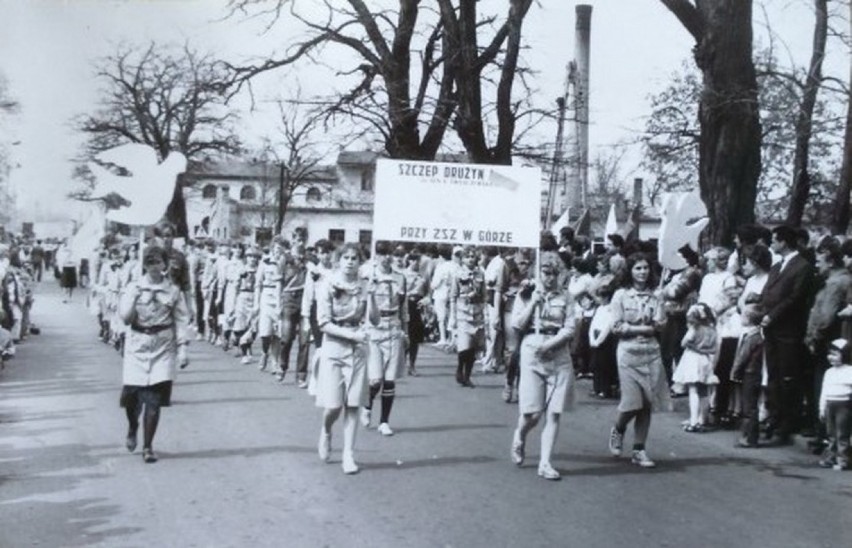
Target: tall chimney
{"points": [[637, 192], [582, 45]]}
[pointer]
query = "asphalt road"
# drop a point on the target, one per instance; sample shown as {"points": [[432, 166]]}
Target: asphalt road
{"points": [[238, 466]]}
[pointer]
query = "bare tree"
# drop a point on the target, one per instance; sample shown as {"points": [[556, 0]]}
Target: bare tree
{"points": [[412, 116], [729, 146], [840, 219], [8, 108], [804, 120], [170, 100]]}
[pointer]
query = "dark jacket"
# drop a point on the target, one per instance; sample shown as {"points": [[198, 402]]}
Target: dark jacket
{"points": [[787, 298]]}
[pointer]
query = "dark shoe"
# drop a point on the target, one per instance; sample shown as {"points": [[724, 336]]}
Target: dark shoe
{"points": [[779, 441], [743, 443], [460, 378], [827, 462], [148, 455], [468, 383], [130, 442], [817, 446]]}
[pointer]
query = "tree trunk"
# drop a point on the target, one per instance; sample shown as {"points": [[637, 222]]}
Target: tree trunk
{"points": [[729, 145], [804, 120], [840, 220]]}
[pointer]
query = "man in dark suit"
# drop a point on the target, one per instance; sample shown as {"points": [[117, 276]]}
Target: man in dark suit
{"points": [[787, 300]]}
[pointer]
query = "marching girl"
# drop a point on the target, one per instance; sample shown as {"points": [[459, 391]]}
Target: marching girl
{"points": [[244, 313], [638, 317], [695, 369], [546, 318], [156, 312], [416, 291], [467, 313], [342, 374]]}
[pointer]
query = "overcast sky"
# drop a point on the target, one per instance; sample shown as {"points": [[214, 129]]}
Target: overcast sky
{"points": [[47, 49]]}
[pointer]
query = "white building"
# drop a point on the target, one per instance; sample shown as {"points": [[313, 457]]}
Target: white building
{"points": [[238, 201]]}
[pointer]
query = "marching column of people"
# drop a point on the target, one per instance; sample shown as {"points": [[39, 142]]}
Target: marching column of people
{"points": [[747, 334]]}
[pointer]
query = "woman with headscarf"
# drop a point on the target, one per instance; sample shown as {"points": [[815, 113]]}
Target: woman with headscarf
{"points": [[546, 319]]}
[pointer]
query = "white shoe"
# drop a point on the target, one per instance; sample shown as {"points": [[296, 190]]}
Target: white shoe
{"points": [[303, 384], [517, 452], [324, 445], [385, 429], [616, 440], [546, 471], [640, 458], [246, 360], [365, 417], [199, 337], [349, 466]]}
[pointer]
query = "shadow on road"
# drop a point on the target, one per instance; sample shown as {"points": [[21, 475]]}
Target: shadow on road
{"points": [[448, 428], [423, 463], [237, 452]]}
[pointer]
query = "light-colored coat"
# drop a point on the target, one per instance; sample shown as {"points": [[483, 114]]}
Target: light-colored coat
{"points": [[151, 358]]}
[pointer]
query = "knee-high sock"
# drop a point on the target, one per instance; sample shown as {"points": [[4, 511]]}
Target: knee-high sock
{"points": [[374, 390], [152, 418], [388, 392]]}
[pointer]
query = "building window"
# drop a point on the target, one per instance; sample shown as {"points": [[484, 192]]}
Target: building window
{"points": [[248, 192], [365, 237], [313, 194], [367, 180], [209, 192], [336, 236]]}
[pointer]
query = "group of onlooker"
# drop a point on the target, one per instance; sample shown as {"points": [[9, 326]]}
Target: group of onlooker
{"points": [[22, 262]]}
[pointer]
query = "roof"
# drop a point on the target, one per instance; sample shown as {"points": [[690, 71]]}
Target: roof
{"points": [[357, 157], [239, 170]]}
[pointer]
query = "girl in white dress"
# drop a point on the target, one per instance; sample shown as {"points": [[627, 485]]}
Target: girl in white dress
{"points": [[695, 369]]}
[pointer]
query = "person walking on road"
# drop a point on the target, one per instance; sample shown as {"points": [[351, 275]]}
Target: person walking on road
{"points": [[342, 375], [467, 314], [155, 310], [387, 338], [546, 320], [638, 317]]}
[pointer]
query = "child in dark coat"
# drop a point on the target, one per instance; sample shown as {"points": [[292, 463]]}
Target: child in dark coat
{"points": [[748, 370]]}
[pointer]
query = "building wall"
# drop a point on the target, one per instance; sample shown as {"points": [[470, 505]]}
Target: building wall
{"points": [[338, 204]]}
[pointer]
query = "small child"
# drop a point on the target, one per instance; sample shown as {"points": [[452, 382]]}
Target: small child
{"points": [[603, 345], [580, 349], [835, 405], [747, 370], [695, 369]]}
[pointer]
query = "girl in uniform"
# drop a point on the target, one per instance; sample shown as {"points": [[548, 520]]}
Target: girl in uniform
{"points": [[637, 318], [244, 313], [341, 378], [416, 291], [467, 313], [546, 318], [156, 342]]}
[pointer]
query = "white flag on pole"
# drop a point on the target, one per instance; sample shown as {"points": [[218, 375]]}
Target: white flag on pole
{"points": [[611, 222]]}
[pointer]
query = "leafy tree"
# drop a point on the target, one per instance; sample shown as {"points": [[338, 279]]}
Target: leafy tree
{"points": [[729, 140], [170, 100], [671, 139]]}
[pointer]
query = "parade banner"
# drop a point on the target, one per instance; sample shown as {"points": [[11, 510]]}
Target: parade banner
{"points": [[466, 204]]}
